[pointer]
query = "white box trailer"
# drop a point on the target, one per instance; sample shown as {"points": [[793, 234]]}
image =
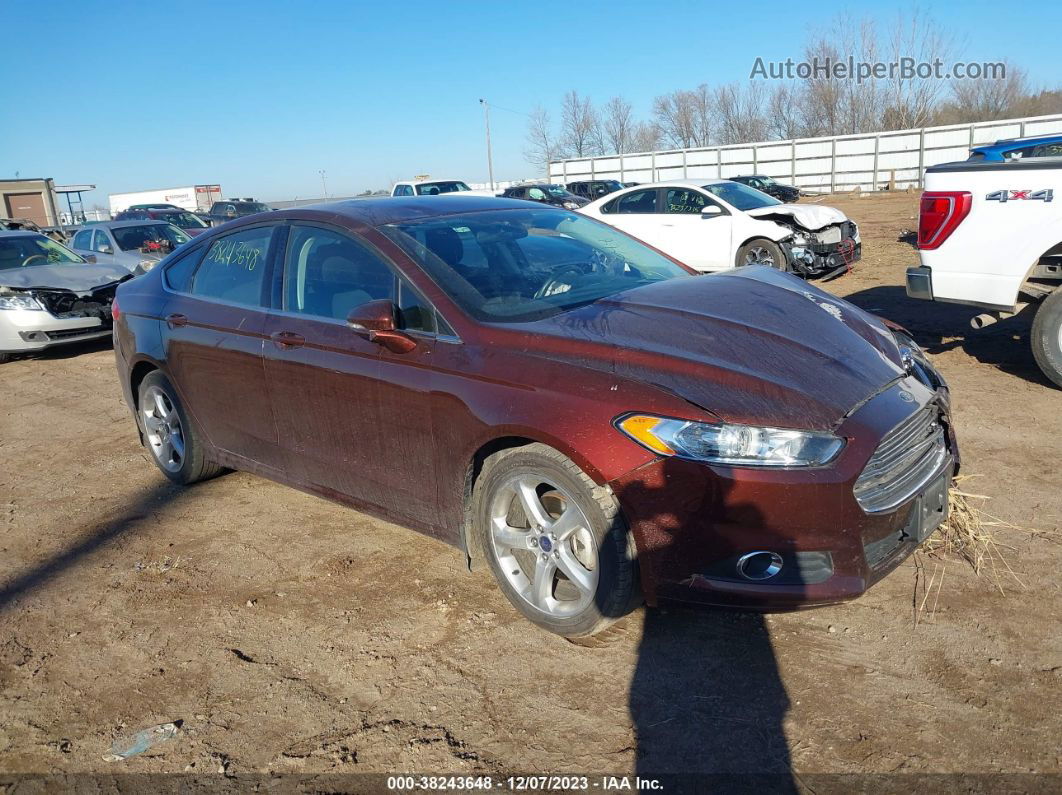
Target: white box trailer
{"points": [[196, 198]]}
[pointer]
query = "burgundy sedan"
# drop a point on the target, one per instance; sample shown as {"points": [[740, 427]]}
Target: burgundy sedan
{"points": [[587, 418]]}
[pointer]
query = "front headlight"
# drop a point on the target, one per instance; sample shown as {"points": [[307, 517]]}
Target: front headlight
{"points": [[20, 301], [733, 445], [571, 206]]}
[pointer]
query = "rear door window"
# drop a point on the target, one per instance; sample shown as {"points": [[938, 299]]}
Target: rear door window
{"points": [[640, 201], [234, 266], [82, 240]]}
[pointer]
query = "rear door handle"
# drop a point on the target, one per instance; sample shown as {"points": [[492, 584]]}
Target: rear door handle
{"points": [[176, 320], [286, 340]]}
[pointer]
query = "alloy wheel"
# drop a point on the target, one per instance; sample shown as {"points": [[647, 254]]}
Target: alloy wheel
{"points": [[544, 546], [163, 428], [758, 255]]}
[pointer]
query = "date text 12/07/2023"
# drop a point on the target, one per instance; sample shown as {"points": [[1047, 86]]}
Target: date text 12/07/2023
{"points": [[528, 783]]}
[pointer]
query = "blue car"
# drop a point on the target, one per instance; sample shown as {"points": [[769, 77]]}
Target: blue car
{"points": [[1019, 149]]}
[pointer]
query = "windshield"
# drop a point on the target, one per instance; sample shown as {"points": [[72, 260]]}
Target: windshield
{"points": [[23, 251], [767, 180], [559, 191], [741, 196], [184, 220], [433, 188], [514, 265], [153, 237]]}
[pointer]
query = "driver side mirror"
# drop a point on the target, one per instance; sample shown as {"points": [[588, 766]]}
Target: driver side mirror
{"points": [[711, 211], [90, 258], [375, 321]]}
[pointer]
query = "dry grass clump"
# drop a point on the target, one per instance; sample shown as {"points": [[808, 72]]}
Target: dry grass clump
{"points": [[970, 533]]}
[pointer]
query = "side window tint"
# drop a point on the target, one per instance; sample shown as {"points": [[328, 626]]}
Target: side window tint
{"points": [[327, 274], [536, 193], [233, 267], [414, 313], [82, 240], [178, 274], [404, 190], [683, 200], [641, 201]]}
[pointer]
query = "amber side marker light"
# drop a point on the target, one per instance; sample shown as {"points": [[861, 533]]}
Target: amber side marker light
{"points": [[640, 427]]}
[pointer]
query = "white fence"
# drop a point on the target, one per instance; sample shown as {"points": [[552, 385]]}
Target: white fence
{"points": [[867, 160]]}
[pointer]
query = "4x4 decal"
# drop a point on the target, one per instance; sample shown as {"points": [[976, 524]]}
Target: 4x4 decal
{"points": [[1015, 195]]}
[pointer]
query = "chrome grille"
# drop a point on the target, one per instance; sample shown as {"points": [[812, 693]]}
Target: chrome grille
{"points": [[909, 456]]}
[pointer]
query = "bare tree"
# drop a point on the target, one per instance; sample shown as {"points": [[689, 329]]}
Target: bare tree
{"points": [[910, 101], [675, 116], [580, 128], [986, 98], [646, 137], [782, 115], [618, 125], [739, 113], [703, 103], [542, 145]]}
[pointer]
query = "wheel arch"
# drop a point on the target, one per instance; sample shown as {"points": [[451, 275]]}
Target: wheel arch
{"points": [[506, 439]]}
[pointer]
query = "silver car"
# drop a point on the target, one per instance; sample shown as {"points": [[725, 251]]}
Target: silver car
{"points": [[51, 296], [135, 245]]}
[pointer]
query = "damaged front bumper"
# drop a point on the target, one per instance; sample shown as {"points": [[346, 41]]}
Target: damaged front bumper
{"points": [[59, 317], [826, 251]]}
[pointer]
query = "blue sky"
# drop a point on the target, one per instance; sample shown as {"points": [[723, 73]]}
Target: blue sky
{"points": [[260, 96]]}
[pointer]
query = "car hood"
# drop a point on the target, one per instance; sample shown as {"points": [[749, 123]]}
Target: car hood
{"points": [[73, 277], [810, 216], [752, 345]]}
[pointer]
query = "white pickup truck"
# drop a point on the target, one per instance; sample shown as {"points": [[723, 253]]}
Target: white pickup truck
{"points": [[990, 235], [436, 187]]}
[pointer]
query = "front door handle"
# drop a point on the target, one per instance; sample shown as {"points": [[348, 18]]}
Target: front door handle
{"points": [[176, 320], [286, 340]]}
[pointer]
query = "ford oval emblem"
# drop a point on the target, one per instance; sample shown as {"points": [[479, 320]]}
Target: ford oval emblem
{"points": [[906, 396]]}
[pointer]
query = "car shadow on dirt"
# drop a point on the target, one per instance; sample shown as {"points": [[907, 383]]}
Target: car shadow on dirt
{"points": [[83, 542], [941, 327], [706, 697]]}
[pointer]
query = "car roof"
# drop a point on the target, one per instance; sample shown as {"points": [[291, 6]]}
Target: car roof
{"points": [[1011, 143], [21, 233], [130, 222], [377, 212]]}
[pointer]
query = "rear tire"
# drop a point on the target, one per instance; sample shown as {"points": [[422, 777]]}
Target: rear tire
{"points": [[1047, 337], [762, 252], [555, 541], [5, 357], [171, 439]]}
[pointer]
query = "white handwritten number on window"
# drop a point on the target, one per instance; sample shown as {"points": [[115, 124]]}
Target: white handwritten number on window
{"points": [[238, 253]]}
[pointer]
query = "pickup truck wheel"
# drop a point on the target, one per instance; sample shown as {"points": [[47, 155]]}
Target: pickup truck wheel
{"points": [[555, 541], [1047, 337], [762, 252]]}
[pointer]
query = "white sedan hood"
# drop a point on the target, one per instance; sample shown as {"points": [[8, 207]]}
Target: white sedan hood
{"points": [[810, 216], [61, 276]]}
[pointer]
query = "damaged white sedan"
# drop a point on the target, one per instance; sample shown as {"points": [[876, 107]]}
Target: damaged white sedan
{"points": [[713, 225], [51, 296]]}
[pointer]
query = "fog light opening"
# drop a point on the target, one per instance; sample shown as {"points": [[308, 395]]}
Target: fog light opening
{"points": [[759, 566]]}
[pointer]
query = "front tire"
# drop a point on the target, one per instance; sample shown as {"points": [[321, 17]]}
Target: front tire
{"points": [[169, 436], [762, 252], [556, 541], [1047, 337], [5, 357]]}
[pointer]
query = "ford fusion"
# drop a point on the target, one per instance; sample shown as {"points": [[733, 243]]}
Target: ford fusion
{"points": [[586, 418]]}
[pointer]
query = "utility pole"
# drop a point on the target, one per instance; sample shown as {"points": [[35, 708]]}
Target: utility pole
{"points": [[324, 185], [490, 157]]}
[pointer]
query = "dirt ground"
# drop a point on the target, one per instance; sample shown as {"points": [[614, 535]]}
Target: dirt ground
{"points": [[290, 635]]}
